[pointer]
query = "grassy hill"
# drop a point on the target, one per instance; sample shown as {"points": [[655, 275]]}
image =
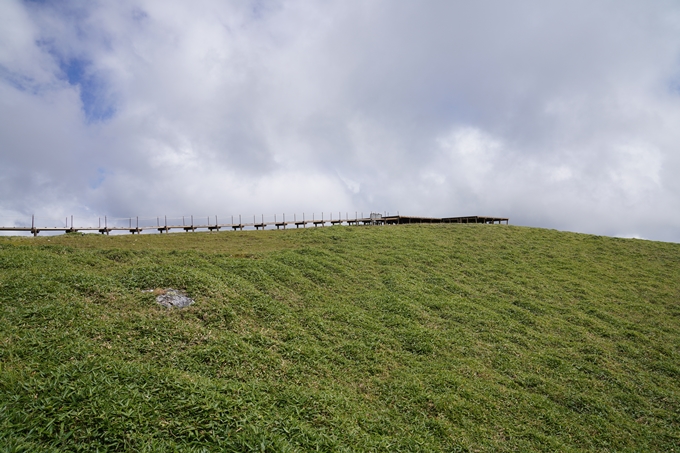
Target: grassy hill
{"points": [[401, 338]]}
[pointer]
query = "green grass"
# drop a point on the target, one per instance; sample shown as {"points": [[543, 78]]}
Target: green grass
{"points": [[401, 338]]}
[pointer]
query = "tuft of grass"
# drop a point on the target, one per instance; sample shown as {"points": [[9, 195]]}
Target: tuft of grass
{"points": [[401, 338]]}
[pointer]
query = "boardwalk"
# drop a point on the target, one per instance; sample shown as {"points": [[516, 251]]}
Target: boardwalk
{"points": [[188, 225]]}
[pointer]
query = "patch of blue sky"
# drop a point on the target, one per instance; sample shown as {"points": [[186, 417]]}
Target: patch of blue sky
{"points": [[94, 94], [74, 70]]}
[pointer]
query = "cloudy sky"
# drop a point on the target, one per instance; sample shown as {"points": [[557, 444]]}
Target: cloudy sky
{"points": [[557, 114]]}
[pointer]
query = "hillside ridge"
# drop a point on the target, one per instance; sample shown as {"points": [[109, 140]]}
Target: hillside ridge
{"points": [[395, 338]]}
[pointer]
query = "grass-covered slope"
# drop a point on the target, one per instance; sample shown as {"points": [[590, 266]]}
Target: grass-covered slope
{"points": [[405, 338]]}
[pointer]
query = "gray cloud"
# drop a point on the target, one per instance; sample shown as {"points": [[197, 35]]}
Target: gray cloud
{"points": [[558, 114]]}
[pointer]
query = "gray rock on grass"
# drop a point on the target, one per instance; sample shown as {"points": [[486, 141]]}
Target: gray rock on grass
{"points": [[173, 298]]}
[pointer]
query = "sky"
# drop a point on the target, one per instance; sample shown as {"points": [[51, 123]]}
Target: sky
{"points": [[556, 114]]}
